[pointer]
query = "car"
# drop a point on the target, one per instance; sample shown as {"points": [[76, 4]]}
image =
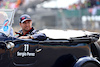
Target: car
{"points": [[70, 48]]}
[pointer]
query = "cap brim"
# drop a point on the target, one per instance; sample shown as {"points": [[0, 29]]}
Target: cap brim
{"points": [[24, 20]]}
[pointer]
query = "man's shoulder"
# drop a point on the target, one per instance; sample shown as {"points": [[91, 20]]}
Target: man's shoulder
{"points": [[18, 33], [34, 31]]}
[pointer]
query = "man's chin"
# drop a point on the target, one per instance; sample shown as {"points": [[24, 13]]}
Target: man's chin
{"points": [[26, 29]]}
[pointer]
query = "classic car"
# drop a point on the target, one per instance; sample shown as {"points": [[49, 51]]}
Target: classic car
{"points": [[70, 48]]}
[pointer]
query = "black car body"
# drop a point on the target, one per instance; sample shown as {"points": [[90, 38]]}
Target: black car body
{"points": [[81, 51]]}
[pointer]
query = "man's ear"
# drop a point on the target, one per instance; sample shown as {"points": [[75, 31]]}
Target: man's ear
{"points": [[20, 24]]}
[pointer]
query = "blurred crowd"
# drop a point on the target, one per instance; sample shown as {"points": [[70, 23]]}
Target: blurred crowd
{"points": [[85, 4], [11, 4], [91, 5]]}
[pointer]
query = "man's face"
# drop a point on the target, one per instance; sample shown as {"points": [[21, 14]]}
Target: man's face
{"points": [[26, 25]]}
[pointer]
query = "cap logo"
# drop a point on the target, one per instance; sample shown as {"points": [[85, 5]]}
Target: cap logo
{"points": [[23, 18]]}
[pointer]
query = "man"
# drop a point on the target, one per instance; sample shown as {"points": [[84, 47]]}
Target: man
{"points": [[28, 31]]}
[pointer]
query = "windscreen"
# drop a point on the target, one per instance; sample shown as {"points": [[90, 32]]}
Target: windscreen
{"points": [[5, 17]]}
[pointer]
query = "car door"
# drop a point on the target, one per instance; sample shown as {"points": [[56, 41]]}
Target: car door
{"points": [[24, 53]]}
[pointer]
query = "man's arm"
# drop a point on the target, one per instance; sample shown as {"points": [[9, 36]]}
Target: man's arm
{"points": [[39, 36]]}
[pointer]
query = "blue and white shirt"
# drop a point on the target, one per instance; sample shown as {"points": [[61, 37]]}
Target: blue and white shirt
{"points": [[36, 35]]}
